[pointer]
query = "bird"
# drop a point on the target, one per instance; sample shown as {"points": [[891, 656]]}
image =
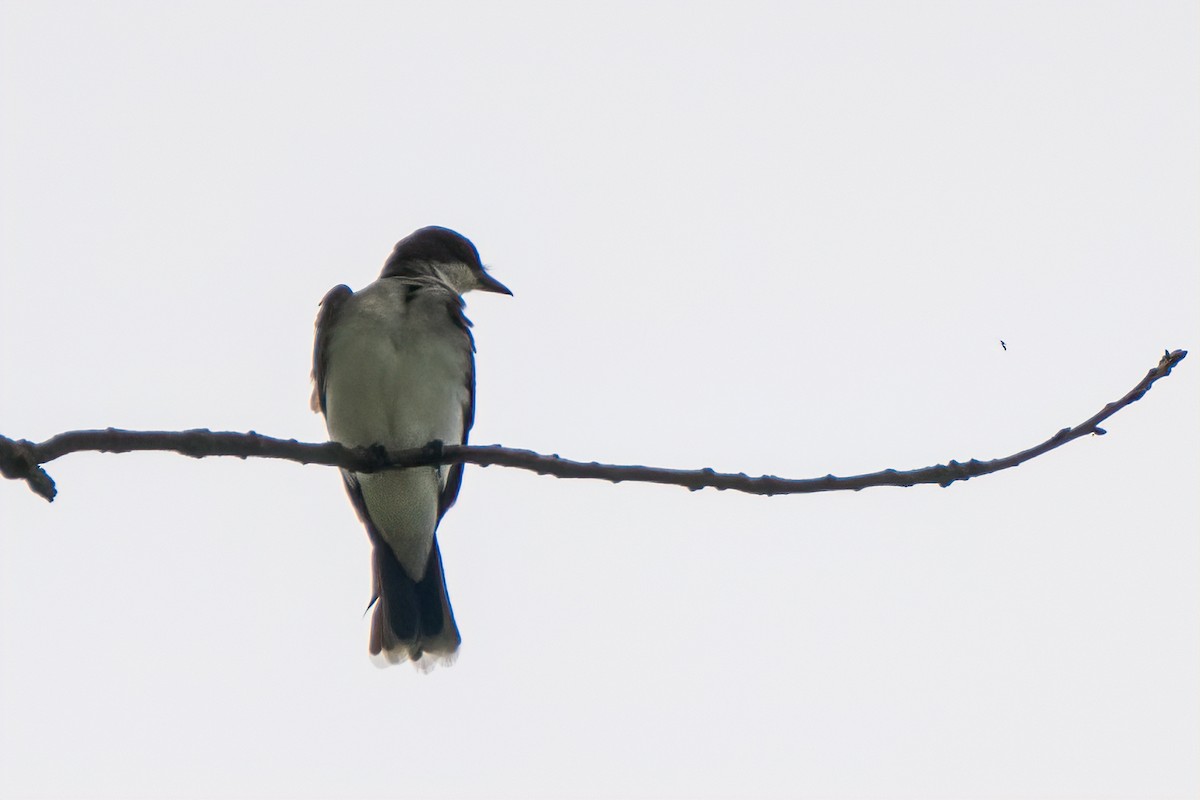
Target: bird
{"points": [[394, 366]]}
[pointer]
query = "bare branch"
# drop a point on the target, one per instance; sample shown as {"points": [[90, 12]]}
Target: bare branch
{"points": [[21, 459]]}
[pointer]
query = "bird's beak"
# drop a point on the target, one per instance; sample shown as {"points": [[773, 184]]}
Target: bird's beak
{"points": [[489, 284]]}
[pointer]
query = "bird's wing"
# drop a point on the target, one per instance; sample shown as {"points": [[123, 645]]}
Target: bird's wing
{"points": [[331, 305], [454, 475]]}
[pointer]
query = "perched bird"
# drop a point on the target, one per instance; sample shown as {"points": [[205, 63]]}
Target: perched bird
{"points": [[394, 365]]}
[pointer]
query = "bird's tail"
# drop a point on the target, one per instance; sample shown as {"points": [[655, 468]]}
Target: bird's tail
{"points": [[413, 620]]}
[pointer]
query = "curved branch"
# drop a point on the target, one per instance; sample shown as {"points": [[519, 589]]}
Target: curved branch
{"points": [[21, 459]]}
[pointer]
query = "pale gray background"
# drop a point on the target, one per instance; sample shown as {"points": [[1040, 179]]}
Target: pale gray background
{"points": [[781, 238]]}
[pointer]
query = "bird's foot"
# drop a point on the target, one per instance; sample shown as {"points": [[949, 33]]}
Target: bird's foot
{"points": [[434, 449], [379, 453]]}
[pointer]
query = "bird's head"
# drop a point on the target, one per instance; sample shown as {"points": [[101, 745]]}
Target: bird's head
{"points": [[444, 254]]}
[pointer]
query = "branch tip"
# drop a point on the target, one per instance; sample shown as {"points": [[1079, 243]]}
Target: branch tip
{"points": [[18, 461]]}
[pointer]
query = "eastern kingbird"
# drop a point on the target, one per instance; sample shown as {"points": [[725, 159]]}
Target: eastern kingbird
{"points": [[394, 365]]}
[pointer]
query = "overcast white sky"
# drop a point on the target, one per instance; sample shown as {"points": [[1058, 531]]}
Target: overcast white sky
{"points": [[783, 238]]}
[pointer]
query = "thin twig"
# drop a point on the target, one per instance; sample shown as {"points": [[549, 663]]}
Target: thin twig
{"points": [[20, 459]]}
